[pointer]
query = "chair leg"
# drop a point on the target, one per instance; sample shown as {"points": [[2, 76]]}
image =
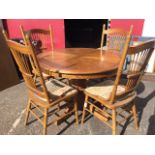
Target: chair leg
{"points": [[76, 110], [27, 112], [35, 77], [114, 121], [134, 111], [58, 106], [45, 122], [83, 115], [67, 82], [84, 110]]}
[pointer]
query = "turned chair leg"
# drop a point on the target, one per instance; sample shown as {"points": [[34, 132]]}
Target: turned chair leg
{"points": [[35, 77], [27, 112], [58, 106], [114, 121], [134, 111], [45, 122], [84, 110], [83, 115], [76, 110]]}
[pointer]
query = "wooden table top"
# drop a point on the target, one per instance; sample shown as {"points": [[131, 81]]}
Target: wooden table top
{"points": [[79, 61]]}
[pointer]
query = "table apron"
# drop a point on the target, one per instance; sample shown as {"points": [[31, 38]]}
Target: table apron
{"points": [[81, 76]]}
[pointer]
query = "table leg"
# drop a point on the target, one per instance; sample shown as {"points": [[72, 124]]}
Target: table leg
{"points": [[80, 85]]}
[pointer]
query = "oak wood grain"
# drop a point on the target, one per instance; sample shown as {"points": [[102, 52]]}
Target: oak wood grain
{"points": [[79, 62]]}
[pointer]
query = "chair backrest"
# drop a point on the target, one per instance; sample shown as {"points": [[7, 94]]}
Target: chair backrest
{"points": [[25, 58], [115, 38], [139, 57], [41, 39]]}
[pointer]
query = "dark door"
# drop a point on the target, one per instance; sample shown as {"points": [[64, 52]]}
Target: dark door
{"points": [[84, 32], [8, 73]]}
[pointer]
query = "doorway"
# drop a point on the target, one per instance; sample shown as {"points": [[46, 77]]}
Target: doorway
{"points": [[83, 32]]}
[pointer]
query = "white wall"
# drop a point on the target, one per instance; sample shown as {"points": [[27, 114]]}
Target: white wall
{"points": [[149, 28], [149, 31]]}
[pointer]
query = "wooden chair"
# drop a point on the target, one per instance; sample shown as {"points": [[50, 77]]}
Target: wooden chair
{"points": [[113, 102], [41, 39], [115, 39], [42, 96]]}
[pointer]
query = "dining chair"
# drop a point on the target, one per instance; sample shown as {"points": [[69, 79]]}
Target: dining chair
{"points": [[42, 39], [115, 38], [43, 97], [112, 101]]}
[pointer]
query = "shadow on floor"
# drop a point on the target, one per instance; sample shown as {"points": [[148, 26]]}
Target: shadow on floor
{"points": [[70, 123], [142, 102], [67, 126], [151, 127]]}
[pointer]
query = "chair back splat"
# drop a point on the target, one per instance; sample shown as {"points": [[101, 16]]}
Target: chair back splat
{"points": [[26, 60], [139, 57], [115, 38], [41, 39], [120, 68]]}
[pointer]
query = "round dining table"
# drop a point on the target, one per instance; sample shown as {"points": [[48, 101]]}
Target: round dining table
{"points": [[79, 65]]}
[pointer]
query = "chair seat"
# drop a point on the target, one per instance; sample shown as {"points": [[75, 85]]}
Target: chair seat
{"points": [[58, 89], [104, 89], [46, 76]]}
